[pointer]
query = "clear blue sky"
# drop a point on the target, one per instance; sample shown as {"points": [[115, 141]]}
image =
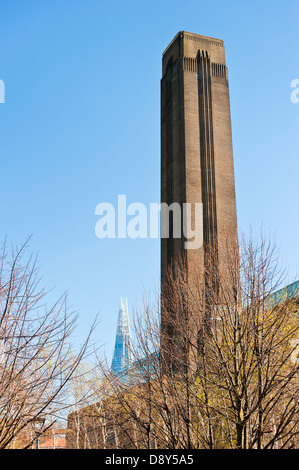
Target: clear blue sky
{"points": [[81, 124]]}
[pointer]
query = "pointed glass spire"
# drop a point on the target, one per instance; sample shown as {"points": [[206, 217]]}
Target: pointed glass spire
{"points": [[122, 357]]}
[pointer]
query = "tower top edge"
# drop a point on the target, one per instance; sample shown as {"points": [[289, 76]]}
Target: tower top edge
{"points": [[194, 37]]}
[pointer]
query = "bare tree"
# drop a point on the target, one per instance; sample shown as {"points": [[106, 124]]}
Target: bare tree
{"points": [[222, 372], [85, 423], [36, 357], [233, 345]]}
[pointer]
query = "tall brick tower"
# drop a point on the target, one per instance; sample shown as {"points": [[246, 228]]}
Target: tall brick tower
{"points": [[196, 167], [196, 143]]}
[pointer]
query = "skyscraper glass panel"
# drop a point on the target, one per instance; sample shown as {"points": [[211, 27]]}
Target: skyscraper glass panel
{"points": [[122, 357]]}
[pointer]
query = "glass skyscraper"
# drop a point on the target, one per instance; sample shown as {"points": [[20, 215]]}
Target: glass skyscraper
{"points": [[122, 358]]}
